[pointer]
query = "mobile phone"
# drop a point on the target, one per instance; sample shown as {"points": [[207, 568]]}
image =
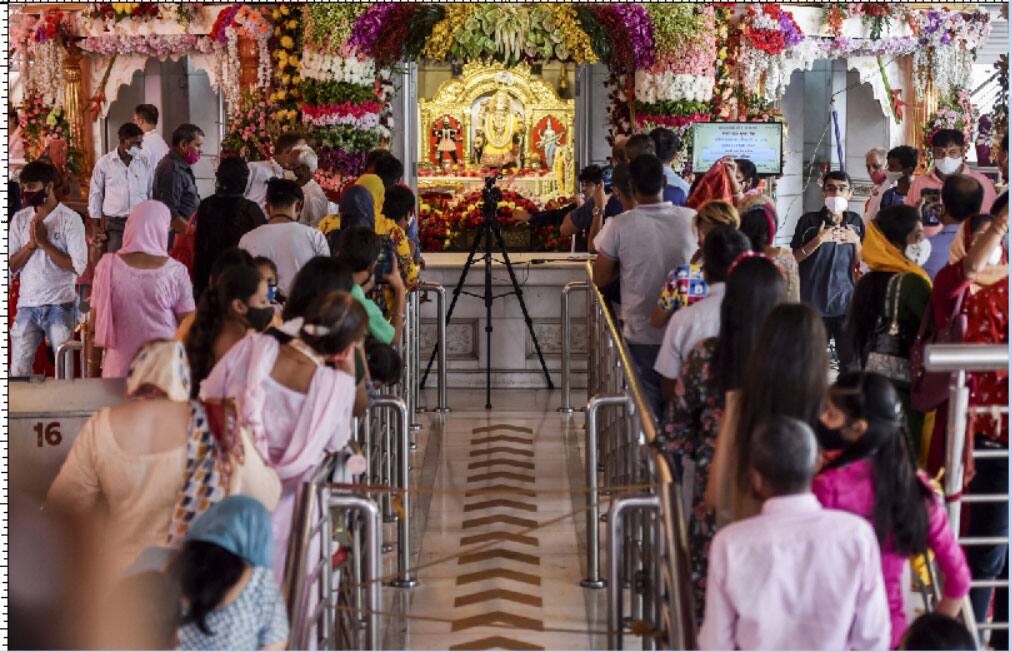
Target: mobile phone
{"points": [[931, 210], [384, 262]]}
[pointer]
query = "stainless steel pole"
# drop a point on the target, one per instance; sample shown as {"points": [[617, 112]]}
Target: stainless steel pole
{"points": [[593, 579]]}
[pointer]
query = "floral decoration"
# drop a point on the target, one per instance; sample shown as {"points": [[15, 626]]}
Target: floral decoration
{"points": [[956, 112], [999, 115], [328, 26], [252, 129], [361, 116], [46, 51], [447, 224], [287, 47], [946, 43], [324, 67], [46, 133], [232, 22], [156, 46], [767, 35], [631, 33]]}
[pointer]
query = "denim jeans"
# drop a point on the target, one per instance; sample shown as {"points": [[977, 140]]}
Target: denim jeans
{"points": [[989, 520], [644, 356], [55, 322]]}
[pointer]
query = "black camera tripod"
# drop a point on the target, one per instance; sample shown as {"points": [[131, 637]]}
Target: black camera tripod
{"points": [[489, 234]]}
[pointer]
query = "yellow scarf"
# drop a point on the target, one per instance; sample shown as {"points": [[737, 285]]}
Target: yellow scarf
{"points": [[882, 256], [374, 185]]}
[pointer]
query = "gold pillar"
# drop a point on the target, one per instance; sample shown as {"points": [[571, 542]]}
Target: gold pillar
{"points": [[73, 105]]}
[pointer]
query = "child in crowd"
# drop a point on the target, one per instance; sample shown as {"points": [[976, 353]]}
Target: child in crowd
{"points": [[269, 272], [935, 631]]}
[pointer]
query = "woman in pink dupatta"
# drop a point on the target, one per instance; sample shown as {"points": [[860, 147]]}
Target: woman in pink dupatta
{"points": [[296, 406], [139, 294]]}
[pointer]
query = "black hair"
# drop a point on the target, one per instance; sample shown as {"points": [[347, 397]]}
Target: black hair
{"points": [[638, 145], [128, 130], [1004, 141], [373, 156], [948, 138], [42, 172], [206, 572], [837, 175], [264, 261], [232, 175], [962, 196], [398, 202], [754, 289], [287, 141], [906, 155], [383, 361], [979, 220], [230, 257], [153, 601], [786, 375], [896, 223], [935, 631], [148, 113], [389, 169], [621, 179], [647, 174], [341, 315], [748, 172], [186, 133], [666, 143], [283, 194], [784, 452], [756, 228], [1000, 204], [722, 246], [359, 248], [236, 282], [591, 174], [318, 277], [900, 514]]}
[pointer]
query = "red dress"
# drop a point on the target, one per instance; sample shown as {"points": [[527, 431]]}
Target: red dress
{"points": [[987, 323]]}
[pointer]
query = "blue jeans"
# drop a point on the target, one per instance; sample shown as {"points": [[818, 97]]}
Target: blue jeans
{"points": [[55, 322], [644, 356], [989, 520]]}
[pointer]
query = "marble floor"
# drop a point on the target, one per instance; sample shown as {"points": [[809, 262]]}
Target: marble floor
{"points": [[499, 542]]}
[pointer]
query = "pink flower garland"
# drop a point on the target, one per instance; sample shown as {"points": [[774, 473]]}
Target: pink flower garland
{"points": [[362, 116], [158, 46]]}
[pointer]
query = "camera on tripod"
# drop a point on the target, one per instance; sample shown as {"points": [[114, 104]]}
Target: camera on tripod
{"points": [[491, 196]]}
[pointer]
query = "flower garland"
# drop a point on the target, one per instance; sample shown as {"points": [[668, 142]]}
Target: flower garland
{"points": [[686, 65], [328, 25], [324, 67], [287, 48], [444, 33], [251, 130], [364, 116], [632, 35], [158, 46], [725, 99], [957, 112], [999, 114], [46, 133], [767, 35], [946, 44], [231, 23], [46, 51]]}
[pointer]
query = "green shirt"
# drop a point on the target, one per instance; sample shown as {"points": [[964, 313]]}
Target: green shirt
{"points": [[379, 327]]}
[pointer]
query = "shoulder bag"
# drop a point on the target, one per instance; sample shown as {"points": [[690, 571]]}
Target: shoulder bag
{"points": [[929, 390], [888, 355]]}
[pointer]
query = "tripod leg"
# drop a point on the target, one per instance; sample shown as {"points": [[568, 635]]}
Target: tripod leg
{"points": [[488, 314], [453, 304], [523, 306]]}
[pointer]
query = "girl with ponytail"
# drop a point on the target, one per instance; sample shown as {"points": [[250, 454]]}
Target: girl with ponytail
{"points": [[236, 304], [875, 477]]}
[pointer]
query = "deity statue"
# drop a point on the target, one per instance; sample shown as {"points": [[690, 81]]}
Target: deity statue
{"points": [[503, 129], [564, 169], [549, 143], [446, 141], [478, 146]]}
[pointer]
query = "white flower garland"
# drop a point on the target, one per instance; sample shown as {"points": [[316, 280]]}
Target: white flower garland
{"points": [[44, 75], [326, 67], [668, 86]]}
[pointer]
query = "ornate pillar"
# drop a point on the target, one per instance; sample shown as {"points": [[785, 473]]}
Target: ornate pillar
{"points": [[73, 105], [249, 63]]}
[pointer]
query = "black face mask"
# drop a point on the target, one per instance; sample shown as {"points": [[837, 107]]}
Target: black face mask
{"points": [[260, 318], [829, 438], [34, 198]]}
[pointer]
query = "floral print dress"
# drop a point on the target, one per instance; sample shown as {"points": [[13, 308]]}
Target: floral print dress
{"points": [[691, 424]]}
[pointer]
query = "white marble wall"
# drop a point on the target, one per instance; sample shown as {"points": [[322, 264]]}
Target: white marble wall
{"points": [[514, 360]]}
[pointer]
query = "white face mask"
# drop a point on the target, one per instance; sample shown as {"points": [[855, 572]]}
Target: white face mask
{"points": [[949, 165], [837, 205], [893, 176], [918, 253], [134, 152], [995, 259]]}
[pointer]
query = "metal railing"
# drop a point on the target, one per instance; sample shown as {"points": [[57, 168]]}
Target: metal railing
{"points": [[442, 405], [647, 557], [567, 343], [65, 360], [958, 360]]}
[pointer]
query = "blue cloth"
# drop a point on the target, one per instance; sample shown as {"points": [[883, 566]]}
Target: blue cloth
{"points": [[892, 198], [941, 242], [253, 621], [674, 195], [356, 208], [413, 237], [613, 207], [644, 356], [55, 322], [827, 276], [240, 525], [672, 178]]}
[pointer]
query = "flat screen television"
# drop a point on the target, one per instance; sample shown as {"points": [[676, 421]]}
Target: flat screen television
{"points": [[759, 142]]}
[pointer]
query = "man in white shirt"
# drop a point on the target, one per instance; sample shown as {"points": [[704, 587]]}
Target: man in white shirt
{"points": [[155, 148], [797, 576], [640, 247], [282, 166], [121, 180], [283, 240], [48, 251], [701, 320], [315, 208]]}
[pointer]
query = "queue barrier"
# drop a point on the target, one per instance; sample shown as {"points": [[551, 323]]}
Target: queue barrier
{"points": [[959, 360], [648, 590]]}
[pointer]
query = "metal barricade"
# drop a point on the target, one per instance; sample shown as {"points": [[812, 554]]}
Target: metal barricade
{"points": [[958, 360], [316, 595], [65, 360], [647, 540], [442, 405], [567, 343]]}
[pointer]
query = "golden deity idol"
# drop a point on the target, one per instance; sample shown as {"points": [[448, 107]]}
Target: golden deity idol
{"points": [[502, 128]]}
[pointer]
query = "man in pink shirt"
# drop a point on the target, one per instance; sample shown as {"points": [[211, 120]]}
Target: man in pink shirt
{"points": [[948, 148], [797, 576]]}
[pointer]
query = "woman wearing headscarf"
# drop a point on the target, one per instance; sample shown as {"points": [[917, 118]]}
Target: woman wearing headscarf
{"points": [[139, 293], [224, 570], [759, 223], [297, 407], [354, 209], [223, 218], [888, 305], [389, 229]]}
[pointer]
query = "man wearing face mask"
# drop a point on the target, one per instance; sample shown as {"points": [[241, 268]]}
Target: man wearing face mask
{"points": [[875, 164], [948, 149], [900, 165], [315, 208], [282, 166], [827, 245], [48, 250], [122, 179], [174, 184]]}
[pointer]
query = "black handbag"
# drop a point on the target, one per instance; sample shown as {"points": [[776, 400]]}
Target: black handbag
{"points": [[890, 352]]}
